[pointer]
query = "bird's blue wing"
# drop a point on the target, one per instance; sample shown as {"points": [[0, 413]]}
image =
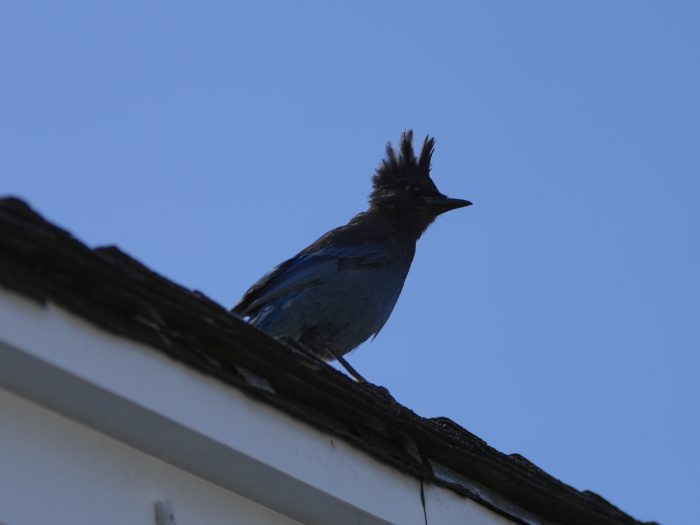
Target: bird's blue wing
{"points": [[308, 269]]}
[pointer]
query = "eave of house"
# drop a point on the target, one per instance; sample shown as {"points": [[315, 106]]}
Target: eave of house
{"points": [[155, 404]]}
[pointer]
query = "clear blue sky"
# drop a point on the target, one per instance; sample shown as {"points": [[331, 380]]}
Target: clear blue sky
{"points": [[559, 317]]}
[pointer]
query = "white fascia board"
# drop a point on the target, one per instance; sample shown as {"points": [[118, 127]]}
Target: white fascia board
{"points": [[141, 397]]}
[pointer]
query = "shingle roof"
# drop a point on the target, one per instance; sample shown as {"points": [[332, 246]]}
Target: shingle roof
{"points": [[116, 292]]}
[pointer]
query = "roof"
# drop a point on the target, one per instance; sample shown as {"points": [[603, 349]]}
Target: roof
{"points": [[112, 290]]}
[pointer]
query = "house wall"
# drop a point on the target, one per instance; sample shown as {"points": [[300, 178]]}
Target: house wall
{"points": [[55, 471]]}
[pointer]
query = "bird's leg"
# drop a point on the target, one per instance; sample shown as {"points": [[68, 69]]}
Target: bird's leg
{"points": [[354, 373], [380, 390], [301, 346], [288, 341]]}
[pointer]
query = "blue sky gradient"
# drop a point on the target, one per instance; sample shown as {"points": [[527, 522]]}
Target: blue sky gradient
{"points": [[559, 317]]}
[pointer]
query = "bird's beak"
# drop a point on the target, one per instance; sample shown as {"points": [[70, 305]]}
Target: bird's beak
{"points": [[443, 204]]}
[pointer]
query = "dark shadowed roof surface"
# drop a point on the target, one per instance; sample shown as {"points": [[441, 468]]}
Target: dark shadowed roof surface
{"points": [[116, 292]]}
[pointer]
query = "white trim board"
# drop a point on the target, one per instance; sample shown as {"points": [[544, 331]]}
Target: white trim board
{"points": [[141, 397]]}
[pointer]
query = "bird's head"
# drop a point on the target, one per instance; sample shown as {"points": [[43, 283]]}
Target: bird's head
{"points": [[403, 188]]}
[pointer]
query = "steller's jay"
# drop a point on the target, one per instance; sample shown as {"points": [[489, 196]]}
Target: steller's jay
{"points": [[339, 291]]}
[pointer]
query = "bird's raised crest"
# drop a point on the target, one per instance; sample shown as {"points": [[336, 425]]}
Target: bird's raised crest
{"points": [[401, 168]]}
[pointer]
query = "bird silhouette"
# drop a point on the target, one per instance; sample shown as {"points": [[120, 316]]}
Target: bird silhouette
{"points": [[339, 291]]}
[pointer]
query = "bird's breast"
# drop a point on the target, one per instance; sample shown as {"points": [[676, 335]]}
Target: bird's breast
{"points": [[363, 299]]}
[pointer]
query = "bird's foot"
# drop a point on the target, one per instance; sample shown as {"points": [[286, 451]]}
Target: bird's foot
{"points": [[347, 366], [354, 373], [381, 392]]}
